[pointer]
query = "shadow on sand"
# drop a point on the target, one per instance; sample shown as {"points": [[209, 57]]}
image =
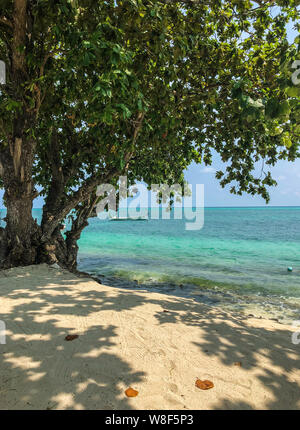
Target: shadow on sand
{"points": [[40, 370]]}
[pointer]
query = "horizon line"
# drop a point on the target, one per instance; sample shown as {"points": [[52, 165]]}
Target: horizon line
{"points": [[220, 207], [209, 207]]}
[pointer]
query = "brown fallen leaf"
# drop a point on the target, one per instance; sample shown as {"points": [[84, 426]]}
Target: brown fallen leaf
{"points": [[130, 392], [204, 385], [238, 363], [71, 337]]}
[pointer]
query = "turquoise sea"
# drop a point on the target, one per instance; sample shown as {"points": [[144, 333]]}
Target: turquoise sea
{"points": [[238, 260]]}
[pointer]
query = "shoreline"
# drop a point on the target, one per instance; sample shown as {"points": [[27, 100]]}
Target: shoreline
{"points": [[274, 307], [136, 286], [158, 344]]}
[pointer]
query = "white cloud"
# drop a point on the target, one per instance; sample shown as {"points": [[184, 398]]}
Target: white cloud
{"points": [[208, 169], [285, 192]]}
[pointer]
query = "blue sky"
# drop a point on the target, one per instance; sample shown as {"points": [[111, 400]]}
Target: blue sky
{"points": [[287, 192], [287, 175]]}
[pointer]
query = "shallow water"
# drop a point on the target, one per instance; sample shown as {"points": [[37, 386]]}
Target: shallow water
{"points": [[238, 260]]}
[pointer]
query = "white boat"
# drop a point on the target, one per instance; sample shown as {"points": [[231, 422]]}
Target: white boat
{"points": [[128, 219]]}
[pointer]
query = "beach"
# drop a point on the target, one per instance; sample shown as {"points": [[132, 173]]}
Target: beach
{"points": [[158, 344], [238, 262]]}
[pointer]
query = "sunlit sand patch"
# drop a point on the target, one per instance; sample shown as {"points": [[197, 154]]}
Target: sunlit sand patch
{"points": [[22, 362], [127, 340]]}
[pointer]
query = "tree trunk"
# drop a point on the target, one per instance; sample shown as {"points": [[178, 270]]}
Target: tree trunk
{"points": [[17, 155], [21, 230], [58, 250]]}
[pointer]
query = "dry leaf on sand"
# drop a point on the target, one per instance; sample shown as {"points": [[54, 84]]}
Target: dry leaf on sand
{"points": [[204, 385], [130, 392], [71, 337]]}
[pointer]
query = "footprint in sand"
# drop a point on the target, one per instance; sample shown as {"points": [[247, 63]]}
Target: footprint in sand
{"points": [[173, 388]]}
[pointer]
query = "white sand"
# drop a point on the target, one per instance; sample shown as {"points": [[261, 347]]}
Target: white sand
{"points": [[126, 339]]}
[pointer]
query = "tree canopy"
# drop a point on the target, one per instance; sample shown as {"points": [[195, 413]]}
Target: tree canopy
{"points": [[99, 89]]}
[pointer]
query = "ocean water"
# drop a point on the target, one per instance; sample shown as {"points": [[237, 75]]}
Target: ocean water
{"points": [[238, 260]]}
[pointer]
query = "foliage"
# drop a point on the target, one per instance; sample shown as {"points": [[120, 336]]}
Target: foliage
{"points": [[146, 87]]}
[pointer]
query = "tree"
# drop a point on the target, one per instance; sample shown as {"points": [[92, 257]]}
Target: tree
{"points": [[99, 89]]}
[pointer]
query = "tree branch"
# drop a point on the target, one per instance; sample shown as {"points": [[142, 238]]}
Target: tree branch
{"points": [[46, 58], [5, 21], [137, 125], [19, 36], [84, 192], [82, 218], [80, 195]]}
